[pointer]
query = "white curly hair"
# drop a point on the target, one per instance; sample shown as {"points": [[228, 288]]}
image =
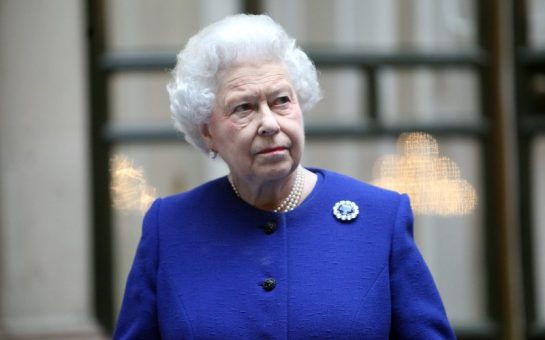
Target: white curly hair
{"points": [[233, 40]]}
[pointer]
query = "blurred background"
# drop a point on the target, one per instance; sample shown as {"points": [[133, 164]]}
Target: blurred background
{"points": [[85, 131]]}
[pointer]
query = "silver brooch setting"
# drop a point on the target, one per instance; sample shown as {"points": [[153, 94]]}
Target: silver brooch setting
{"points": [[346, 210]]}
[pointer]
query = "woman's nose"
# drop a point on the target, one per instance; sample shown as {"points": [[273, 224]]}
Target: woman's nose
{"points": [[268, 124]]}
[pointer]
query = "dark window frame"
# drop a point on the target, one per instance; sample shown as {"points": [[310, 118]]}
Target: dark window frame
{"points": [[530, 124]]}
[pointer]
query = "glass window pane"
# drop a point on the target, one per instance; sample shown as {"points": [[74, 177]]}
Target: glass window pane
{"points": [[387, 24], [310, 22], [344, 96], [163, 25], [454, 245], [424, 95], [449, 24], [536, 23], [138, 98], [350, 157]]}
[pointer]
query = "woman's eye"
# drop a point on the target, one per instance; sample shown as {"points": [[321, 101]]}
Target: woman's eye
{"points": [[282, 100], [242, 108]]}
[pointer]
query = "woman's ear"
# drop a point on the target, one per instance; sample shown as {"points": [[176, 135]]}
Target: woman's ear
{"points": [[205, 133]]}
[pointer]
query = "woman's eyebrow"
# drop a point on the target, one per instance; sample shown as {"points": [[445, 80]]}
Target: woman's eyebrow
{"points": [[239, 96], [277, 89], [250, 93]]}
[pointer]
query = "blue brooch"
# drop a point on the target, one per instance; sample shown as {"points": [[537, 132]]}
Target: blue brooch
{"points": [[345, 210]]}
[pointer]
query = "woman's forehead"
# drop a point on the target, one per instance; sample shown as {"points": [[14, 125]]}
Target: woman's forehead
{"points": [[251, 75]]}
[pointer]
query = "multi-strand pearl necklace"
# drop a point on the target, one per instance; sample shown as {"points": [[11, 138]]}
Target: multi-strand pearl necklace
{"points": [[290, 202]]}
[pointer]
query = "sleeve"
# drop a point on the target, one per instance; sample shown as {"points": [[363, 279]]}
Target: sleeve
{"points": [[417, 309], [138, 316]]}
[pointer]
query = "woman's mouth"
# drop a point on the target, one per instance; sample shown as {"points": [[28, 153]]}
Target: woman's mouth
{"points": [[272, 150]]}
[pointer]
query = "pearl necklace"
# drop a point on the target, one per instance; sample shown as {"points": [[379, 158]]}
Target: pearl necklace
{"points": [[290, 202]]}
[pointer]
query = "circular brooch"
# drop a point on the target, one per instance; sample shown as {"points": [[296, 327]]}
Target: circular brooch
{"points": [[345, 210]]}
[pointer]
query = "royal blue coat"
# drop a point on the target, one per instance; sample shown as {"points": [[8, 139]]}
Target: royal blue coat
{"points": [[210, 266]]}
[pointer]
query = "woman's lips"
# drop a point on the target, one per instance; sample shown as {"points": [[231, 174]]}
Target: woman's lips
{"points": [[272, 150]]}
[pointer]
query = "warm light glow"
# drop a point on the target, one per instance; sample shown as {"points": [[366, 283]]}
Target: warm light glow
{"points": [[130, 191], [432, 181]]}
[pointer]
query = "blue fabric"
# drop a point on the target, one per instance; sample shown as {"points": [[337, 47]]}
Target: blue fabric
{"points": [[203, 256]]}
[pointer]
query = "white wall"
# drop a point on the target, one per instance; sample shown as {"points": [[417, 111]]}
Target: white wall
{"points": [[45, 260]]}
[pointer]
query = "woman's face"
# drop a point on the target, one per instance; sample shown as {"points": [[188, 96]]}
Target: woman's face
{"points": [[256, 125]]}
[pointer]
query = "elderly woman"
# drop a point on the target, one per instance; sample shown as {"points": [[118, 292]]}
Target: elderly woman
{"points": [[274, 249]]}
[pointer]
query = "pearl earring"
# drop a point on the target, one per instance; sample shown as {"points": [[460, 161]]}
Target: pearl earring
{"points": [[212, 154]]}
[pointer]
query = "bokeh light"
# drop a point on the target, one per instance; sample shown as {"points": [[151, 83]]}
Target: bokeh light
{"points": [[130, 190], [432, 181]]}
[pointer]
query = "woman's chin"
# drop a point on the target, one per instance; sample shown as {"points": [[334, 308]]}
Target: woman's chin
{"points": [[277, 170]]}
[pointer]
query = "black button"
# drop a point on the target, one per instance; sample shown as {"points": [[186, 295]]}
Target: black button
{"points": [[268, 284], [269, 227]]}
